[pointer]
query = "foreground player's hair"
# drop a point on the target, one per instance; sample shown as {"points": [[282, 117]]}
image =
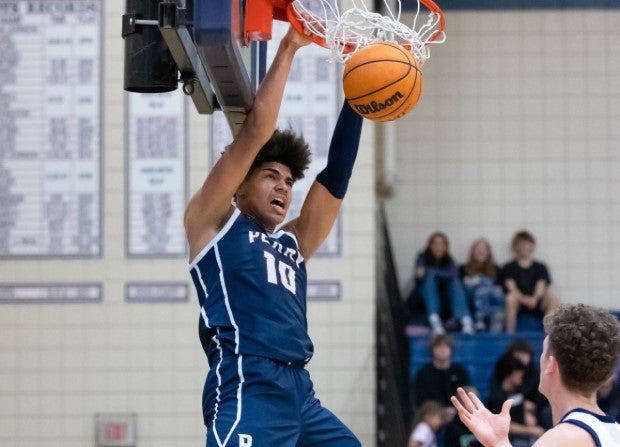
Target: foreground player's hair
{"points": [[287, 148], [585, 342]]}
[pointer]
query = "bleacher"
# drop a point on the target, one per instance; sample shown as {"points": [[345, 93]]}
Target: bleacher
{"points": [[478, 353]]}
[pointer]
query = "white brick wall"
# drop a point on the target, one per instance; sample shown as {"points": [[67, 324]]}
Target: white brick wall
{"points": [[517, 128]]}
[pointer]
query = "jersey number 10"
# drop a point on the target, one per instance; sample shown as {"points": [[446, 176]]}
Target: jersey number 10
{"points": [[287, 274]]}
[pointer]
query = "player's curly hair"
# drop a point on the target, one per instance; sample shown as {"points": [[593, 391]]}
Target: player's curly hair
{"points": [[287, 148], [585, 342]]}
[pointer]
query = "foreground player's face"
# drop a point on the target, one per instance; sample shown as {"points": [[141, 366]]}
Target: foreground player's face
{"points": [[266, 194], [544, 363]]}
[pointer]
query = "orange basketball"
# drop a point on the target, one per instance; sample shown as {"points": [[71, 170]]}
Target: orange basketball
{"points": [[382, 82]]}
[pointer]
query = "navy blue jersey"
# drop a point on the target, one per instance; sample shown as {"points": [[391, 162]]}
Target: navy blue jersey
{"points": [[252, 291]]}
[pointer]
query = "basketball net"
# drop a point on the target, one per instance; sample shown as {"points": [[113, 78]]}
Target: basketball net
{"points": [[344, 32]]}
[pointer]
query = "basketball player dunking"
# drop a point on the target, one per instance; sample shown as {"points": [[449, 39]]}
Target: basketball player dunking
{"points": [[251, 279], [579, 354]]}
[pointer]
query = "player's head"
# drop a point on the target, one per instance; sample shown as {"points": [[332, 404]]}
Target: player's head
{"points": [[523, 244], [581, 348], [287, 148], [265, 193]]}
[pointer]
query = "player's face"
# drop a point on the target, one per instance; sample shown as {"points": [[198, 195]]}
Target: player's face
{"points": [[266, 194]]}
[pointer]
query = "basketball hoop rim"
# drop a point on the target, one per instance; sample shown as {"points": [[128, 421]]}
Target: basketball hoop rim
{"points": [[291, 15]]}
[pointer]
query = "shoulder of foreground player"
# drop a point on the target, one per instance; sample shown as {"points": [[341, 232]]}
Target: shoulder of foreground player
{"points": [[566, 435]]}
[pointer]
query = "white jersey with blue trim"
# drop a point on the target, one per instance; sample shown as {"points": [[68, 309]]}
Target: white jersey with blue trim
{"points": [[603, 428], [251, 288]]}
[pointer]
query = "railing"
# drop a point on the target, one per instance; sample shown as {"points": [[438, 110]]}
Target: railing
{"points": [[393, 409]]}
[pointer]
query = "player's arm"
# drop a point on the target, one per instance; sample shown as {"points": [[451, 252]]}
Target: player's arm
{"points": [[322, 204], [211, 205]]}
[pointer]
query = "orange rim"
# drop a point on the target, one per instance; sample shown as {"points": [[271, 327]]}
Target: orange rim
{"points": [[432, 6], [293, 18], [298, 24]]}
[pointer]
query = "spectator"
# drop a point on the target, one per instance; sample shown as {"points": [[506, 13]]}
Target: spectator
{"points": [[425, 424], [436, 272], [439, 379], [456, 434], [608, 397], [524, 427], [522, 351], [481, 278], [527, 283]]}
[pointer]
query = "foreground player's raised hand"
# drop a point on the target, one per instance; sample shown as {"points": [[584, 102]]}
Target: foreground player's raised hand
{"points": [[490, 429]]}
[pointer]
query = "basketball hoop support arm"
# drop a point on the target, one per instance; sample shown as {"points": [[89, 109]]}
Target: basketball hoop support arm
{"points": [[172, 23], [193, 75]]}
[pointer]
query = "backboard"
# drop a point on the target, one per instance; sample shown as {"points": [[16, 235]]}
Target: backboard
{"points": [[233, 67], [199, 43]]}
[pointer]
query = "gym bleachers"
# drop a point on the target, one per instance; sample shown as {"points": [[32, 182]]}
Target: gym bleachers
{"points": [[478, 353]]}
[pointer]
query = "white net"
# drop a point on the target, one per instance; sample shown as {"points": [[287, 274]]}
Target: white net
{"points": [[346, 31]]}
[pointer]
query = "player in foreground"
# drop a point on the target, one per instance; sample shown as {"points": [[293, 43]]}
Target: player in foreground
{"points": [[579, 353], [251, 279]]}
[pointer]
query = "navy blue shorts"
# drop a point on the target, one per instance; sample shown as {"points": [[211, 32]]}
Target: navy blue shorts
{"points": [[253, 401]]}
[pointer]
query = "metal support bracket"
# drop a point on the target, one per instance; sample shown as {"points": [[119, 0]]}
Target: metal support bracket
{"points": [[193, 75], [129, 24]]}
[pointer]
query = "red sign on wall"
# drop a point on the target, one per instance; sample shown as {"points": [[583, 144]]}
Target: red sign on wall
{"points": [[115, 430]]}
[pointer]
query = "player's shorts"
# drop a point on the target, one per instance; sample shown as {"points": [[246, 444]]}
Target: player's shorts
{"points": [[252, 401]]}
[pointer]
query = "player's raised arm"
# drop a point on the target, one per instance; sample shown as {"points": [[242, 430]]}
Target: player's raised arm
{"points": [[322, 203], [211, 205]]}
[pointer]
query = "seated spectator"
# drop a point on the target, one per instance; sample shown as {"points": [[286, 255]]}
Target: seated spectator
{"points": [[426, 422], [481, 279], [438, 380], [608, 397], [435, 272], [524, 427], [527, 283], [456, 434], [522, 351]]}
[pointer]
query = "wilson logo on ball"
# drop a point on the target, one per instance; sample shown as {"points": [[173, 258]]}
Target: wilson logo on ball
{"points": [[374, 106], [382, 81]]}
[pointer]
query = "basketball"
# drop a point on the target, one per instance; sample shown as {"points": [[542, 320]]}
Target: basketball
{"points": [[382, 82]]}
